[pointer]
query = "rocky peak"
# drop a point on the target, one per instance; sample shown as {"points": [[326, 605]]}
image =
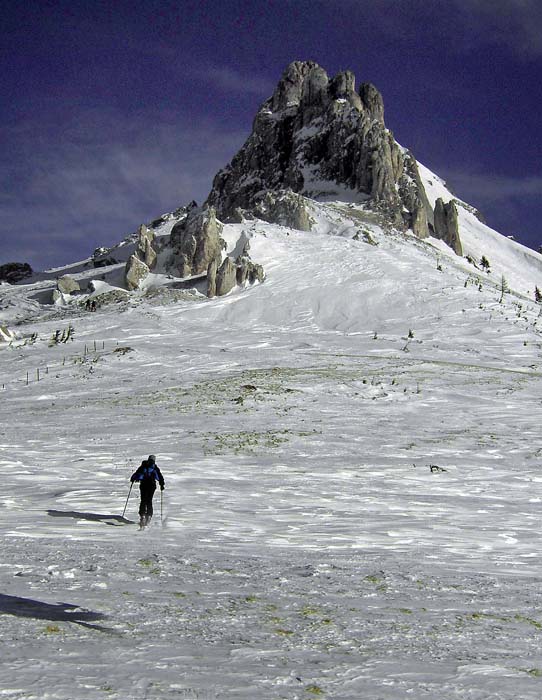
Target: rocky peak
{"points": [[372, 101], [342, 85], [318, 137], [290, 88]]}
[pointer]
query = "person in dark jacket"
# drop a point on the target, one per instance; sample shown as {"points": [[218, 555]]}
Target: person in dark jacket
{"points": [[147, 474]]}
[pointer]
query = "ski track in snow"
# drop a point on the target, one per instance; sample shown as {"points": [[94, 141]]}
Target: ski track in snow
{"points": [[306, 549]]}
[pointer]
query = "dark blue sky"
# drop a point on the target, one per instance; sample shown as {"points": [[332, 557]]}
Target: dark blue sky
{"points": [[115, 112]]}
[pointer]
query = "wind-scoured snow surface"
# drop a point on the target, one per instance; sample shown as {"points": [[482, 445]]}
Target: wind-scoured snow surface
{"points": [[305, 548]]}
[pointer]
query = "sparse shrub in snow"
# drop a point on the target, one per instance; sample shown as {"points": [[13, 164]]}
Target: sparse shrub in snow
{"points": [[485, 264], [62, 336], [537, 295]]}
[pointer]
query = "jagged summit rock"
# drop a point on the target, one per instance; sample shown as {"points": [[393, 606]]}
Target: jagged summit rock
{"points": [[320, 138], [317, 136]]}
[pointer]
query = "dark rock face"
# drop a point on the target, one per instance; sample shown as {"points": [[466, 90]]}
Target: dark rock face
{"points": [[14, 272], [179, 213], [314, 135], [446, 225], [102, 258]]}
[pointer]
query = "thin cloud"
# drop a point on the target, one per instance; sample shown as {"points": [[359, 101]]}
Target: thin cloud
{"points": [[463, 25], [516, 24], [510, 203], [495, 188], [65, 195], [229, 80]]}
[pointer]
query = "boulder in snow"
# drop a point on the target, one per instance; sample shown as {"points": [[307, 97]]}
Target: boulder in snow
{"points": [[67, 285], [135, 272], [226, 277]]}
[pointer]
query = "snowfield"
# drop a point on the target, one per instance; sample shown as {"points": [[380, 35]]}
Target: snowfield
{"points": [[353, 485]]}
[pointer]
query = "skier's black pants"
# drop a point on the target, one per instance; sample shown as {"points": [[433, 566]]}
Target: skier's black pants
{"points": [[147, 492]]}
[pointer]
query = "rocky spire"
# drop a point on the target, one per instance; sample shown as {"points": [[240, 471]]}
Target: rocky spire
{"points": [[446, 224], [315, 135]]}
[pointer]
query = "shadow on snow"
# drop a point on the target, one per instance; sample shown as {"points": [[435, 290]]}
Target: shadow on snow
{"points": [[54, 612], [95, 517]]}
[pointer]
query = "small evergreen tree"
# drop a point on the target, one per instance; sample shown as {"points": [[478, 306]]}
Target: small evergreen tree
{"points": [[537, 295], [504, 288], [484, 263]]}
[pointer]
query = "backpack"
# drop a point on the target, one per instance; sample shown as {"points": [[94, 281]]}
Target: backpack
{"points": [[148, 473]]}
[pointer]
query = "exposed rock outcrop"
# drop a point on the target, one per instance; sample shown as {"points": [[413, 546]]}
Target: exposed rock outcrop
{"points": [[179, 213], [196, 242], [211, 277], [14, 272], [135, 272], [285, 208], [142, 261], [144, 246], [223, 277], [102, 257], [255, 273], [226, 277], [67, 285], [57, 298], [446, 225], [317, 137]]}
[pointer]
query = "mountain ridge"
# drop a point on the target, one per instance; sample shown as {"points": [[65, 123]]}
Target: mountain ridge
{"points": [[314, 140]]}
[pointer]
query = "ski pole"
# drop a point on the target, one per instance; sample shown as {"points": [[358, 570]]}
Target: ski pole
{"points": [[161, 506], [126, 504]]}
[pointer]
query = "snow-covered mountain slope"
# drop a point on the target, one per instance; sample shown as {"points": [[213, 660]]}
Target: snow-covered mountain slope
{"points": [[521, 266], [353, 485]]}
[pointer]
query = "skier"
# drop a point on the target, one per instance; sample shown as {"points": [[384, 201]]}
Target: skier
{"points": [[147, 475]]}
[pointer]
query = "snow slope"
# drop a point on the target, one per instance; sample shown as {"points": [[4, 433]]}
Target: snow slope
{"points": [[521, 266], [306, 548]]}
